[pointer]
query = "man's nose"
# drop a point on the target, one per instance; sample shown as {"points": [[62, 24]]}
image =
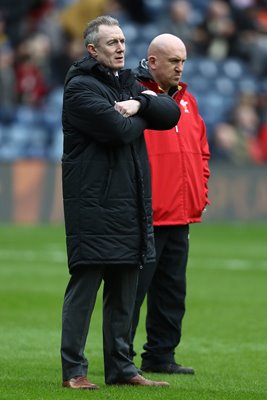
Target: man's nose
{"points": [[179, 66], [121, 47]]}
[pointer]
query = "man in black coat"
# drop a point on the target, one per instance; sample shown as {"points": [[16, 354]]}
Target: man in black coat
{"points": [[107, 200]]}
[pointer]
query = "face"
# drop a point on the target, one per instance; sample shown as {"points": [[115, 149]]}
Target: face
{"points": [[167, 65], [110, 50]]}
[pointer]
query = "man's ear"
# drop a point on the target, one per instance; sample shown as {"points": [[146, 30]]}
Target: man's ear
{"points": [[92, 50], [152, 60]]}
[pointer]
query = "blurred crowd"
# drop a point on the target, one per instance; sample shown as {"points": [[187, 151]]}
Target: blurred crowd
{"points": [[226, 68]]}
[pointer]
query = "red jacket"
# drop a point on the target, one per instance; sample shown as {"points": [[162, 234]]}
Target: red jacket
{"points": [[179, 164]]}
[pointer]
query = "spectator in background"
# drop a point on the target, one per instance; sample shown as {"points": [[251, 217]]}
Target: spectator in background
{"points": [[48, 23], [71, 51], [4, 40], [225, 142], [215, 36], [7, 75], [107, 200], [74, 17], [136, 10], [32, 86], [8, 95], [16, 18], [259, 145], [180, 172], [30, 18], [179, 22], [40, 51], [236, 141], [251, 40]]}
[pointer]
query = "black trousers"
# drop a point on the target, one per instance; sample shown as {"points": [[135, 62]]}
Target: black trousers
{"points": [[164, 282], [120, 283]]}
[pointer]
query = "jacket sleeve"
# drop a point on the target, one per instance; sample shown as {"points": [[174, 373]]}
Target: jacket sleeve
{"points": [[205, 158], [88, 110], [161, 112]]}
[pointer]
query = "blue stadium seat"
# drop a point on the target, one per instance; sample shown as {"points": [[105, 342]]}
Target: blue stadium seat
{"points": [[207, 67], [56, 148], [201, 5], [130, 31], [190, 69], [233, 68], [131, 60], [225, 86], [1, 134], [14, 141], [214, 107], [198, 84], [156, 8], [263, 85], [140, 50], [147, 32], [249, 84]]}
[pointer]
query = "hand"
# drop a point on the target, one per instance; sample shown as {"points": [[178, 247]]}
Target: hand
{"points": [[127, 108]]}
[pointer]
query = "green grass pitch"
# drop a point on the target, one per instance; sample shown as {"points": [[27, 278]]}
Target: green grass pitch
{"points": [[224, 330]]}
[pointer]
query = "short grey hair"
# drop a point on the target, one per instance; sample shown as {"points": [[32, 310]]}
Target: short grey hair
{"points": [[91, 31]]}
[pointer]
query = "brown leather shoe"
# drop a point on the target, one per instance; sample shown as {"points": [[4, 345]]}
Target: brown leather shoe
{"points": [[80, 382], [139, 380]]}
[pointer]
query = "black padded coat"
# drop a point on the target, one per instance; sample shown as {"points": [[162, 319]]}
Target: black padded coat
{"points": [[105, 170]]}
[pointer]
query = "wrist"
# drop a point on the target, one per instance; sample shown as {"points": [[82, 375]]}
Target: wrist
{"points": [[143, 101]]}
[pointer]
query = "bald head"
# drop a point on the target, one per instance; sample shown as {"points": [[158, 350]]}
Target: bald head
{"points": [[166, 56], [165, 41]]}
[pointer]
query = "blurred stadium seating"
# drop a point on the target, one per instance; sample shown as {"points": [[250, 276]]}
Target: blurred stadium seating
{"points": [[35, 132], [216, 86]]}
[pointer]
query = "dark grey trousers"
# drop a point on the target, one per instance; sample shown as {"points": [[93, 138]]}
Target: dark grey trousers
{"points": [[120, 283], [164, 282]]}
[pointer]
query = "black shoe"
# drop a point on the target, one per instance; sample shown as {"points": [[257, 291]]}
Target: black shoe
{"points": [[168, 368]]}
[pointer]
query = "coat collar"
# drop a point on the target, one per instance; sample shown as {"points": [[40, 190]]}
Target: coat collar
{"points": [[89, 66], [142, 74]]}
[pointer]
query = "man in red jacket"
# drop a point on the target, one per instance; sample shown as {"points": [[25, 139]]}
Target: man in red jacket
{"points": [[180, 172]]}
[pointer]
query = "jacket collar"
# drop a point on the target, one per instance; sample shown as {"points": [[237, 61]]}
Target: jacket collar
{"points": [[142, 74], [89, 66]]}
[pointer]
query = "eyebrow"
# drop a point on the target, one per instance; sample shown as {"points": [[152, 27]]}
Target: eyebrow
{"points": [[122, 39], [177, 59]]}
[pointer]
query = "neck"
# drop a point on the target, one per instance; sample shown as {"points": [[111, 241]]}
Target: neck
{"points": [[164, 89]]}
